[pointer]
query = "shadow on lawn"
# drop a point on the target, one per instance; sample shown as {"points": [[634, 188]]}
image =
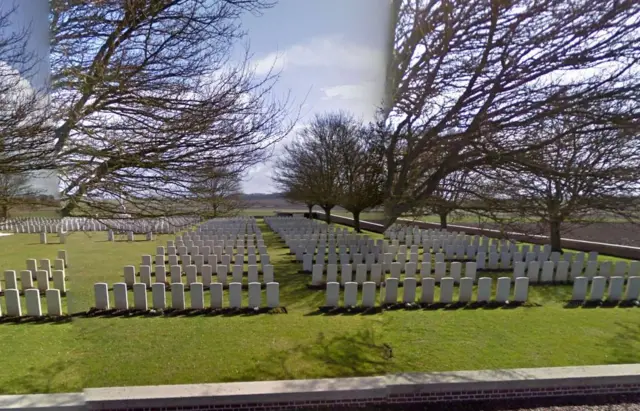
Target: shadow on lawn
{"points": [[39, 379], [349, 355], [624, 346]]}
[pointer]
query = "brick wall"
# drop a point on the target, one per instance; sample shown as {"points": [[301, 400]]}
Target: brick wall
{"points": [[405, 399]]}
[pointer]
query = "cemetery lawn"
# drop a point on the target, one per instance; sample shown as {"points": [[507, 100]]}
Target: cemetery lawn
{"points": [[95, 352]]}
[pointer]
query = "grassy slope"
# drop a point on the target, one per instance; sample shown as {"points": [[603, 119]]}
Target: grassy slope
{"points": [[301, 344]]}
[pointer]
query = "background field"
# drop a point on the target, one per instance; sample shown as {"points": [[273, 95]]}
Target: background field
{"points": [[120, 351]]}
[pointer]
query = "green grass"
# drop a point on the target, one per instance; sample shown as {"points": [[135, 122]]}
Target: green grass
{"points": [[94, 352]]}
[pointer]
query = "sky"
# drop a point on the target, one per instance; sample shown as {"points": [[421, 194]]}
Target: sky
{"points": [[330, 56]]}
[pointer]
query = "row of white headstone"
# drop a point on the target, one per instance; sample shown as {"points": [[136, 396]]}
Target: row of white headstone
{"points": [[68, 224], [215, 250], [200, 260], [42, 278], [389, 293], [196, 292], [561, 272], [377, 273], [616, 291], [32, 299], [192, 273]]}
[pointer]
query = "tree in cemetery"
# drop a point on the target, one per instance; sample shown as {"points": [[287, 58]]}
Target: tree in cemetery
{"points": [[361, 174], [216, 192], [297, 195], [310, 166], [451, 195], [16, 190], [465, 76], [588, 173], [26, 137], [148, 93]]}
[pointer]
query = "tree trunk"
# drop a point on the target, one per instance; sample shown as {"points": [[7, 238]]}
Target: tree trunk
{"points": [[5, 212], [310, 210], [327, 214], [356, 221], [66, 210], [443, 220], [554, 236]]}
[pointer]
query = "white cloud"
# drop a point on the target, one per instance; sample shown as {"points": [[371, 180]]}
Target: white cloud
{"points": [[323, 52], [362, 91]]}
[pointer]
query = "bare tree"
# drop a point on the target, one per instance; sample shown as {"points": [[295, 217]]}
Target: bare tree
{"points": [[361, 172], [451, 194], [216, 192], [588, 173], [148, 94], [310, 166], [26, 130], [16, 190], [467, 75]]}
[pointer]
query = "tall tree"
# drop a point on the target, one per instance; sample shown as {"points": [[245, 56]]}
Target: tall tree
{"points": [[588, 173], [146, 92], [361, 172], [216, 192], [451, 194], [26, 128], [467, 74], [16, 190], [310, 165]]}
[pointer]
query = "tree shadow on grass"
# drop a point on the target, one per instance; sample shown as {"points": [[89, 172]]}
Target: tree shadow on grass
{"points": [[357, 354], [624, 346], [40, 379]]}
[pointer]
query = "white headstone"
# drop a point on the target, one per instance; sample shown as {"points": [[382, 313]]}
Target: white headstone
{"points": [[159, 296], [616, 288], [177, 296], [391, 291], [101, 291], [346, 274], [440, 271], [332, 294], [267, 274], [58, 281], [129, 275], [273, 295], [376, 273], [580, 285], [235, 295], [12, 300], [43, 240], [547, 272], [446, 290], [470, 270], [521, 292], [428, 290], [409, 291], [26, 278], [222, 274], [255, 295], [192, 274], [368, 294], [466, 290], [484, 289], [42, 277], [350, 294], [562, 271], [396, 268], [361, 273], [197, 295], [216, 295], [317, 274], [32, 297], [62, 254], [140, 296], [533, 272], [54, 303], [120, 296], [598, 286], [10, 280], [633, 289], [503, 289]]}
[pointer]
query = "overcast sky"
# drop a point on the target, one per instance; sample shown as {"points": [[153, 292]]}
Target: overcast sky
{"points": [[331, 57]]}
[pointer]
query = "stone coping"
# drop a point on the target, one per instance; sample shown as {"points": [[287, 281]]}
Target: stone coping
{"points": [[70, 401], [394, 388]]}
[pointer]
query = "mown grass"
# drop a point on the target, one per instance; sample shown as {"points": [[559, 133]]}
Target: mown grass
{"points": [[93, 352]]}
